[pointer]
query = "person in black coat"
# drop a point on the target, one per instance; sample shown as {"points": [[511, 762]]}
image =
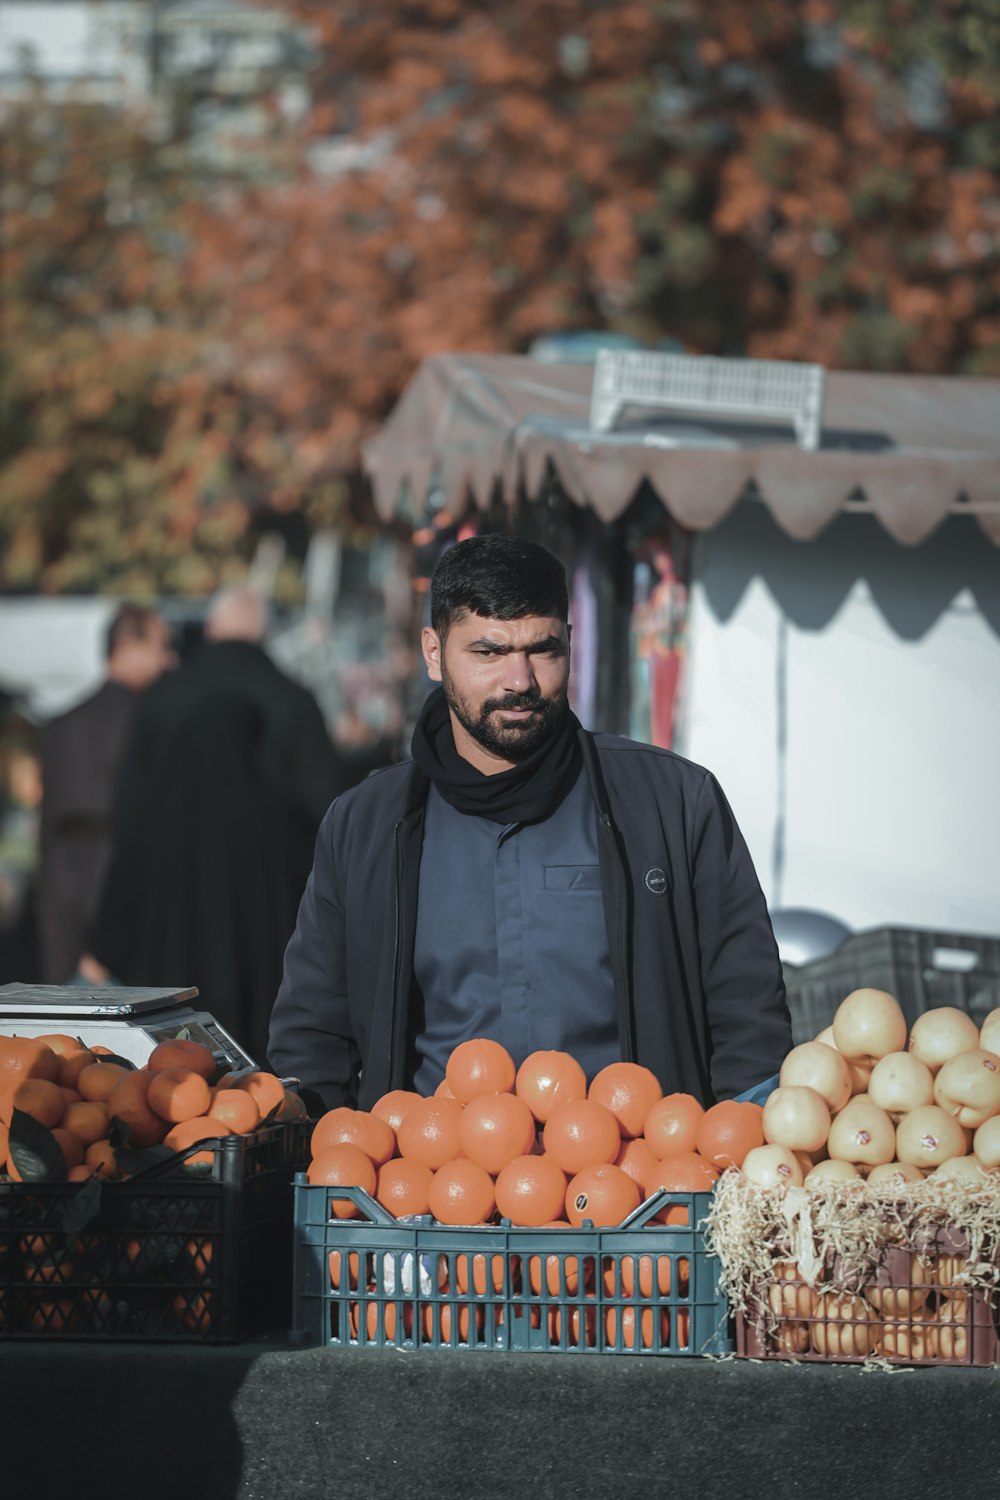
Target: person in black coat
{"points": [[227, 774], [80, 751]]}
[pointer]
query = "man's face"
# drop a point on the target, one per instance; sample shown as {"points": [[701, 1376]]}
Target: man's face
{"points": [[505, 683]]}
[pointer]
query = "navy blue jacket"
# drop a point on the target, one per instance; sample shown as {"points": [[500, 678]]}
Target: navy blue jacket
{"points": [[698, 982]]}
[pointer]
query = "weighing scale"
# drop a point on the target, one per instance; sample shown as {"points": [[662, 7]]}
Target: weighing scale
{"points": [[129, 1021]]}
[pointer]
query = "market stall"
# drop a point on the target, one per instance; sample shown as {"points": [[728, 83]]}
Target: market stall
{"points": [[532, 1280], [594, 1354], [813, 623]]}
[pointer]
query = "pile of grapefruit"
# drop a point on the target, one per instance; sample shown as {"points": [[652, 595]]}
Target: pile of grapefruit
{"points": [[532, 1145], [92, 1106]]}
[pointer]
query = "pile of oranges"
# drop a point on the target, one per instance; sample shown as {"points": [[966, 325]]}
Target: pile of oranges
{"points": [[532, 1145], [536, 1147], [85, 1098]]}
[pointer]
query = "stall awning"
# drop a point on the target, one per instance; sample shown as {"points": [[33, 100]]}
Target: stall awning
{"points": [[909, 450]]}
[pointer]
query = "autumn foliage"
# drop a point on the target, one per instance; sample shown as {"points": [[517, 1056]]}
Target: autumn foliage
{"points": [[189, 355]]}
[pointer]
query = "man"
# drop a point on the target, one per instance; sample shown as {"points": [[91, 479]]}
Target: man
{"points": [[80, 751], [525, 880], [226, 776]]}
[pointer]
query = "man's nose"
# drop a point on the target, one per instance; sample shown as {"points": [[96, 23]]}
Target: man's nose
{"points": [[519, 674]]}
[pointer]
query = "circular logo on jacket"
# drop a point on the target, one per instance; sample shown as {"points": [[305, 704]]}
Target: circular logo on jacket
{"points": [[656, 881]]}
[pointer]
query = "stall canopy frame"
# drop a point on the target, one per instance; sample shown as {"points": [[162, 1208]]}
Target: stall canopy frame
{"points": [[908, 450]]}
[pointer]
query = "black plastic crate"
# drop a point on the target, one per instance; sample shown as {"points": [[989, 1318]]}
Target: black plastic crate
{"points": [[168, 1256], [642, 1288], [921, 967]]}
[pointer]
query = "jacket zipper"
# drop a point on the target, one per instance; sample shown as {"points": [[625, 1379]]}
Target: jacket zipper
{"points": [[397, 953], [624, 989]]}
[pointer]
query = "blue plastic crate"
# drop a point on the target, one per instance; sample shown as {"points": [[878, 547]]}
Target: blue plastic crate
{"points": [[375, 1281]]}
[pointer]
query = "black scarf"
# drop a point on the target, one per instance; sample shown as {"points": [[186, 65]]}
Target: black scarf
{"points": [[528, 792]]}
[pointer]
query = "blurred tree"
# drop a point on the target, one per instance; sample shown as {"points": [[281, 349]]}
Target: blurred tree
{"points": [[817, 181], [133, 456]]}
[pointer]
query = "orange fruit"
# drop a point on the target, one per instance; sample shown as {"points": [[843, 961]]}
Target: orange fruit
{"points": [[479, 1273], [97, 1079], [495, 1128], [393, 1106], [431, 1132], [390, 1326], [580, 1327], [72, 1064], [354, 1127], [70, 1096], [59, 1315], [343, 1166], [70, 1145], [638, 1326], [530, 1190], [684, 1173], [336, 1269], [461, 1193], [728, 1131], [556, 1268], [188, 1132], [638, 1159], [581, 1134], [177, 1094], [479, 1066], [547, 1079], [629, 1091], [4, 1143], [128, 1102], [37, 1097], [26, 1057], [79, 1173], [237, 1109], [87, 1120], [443, 1091], [267, 1091], [403, 1187], [199, 1252], [100, 1158], [59, 1043], [451, 1320], [620, 1278], [604, 1194], [671, 1125], [182, 1054], [195, 1312]]}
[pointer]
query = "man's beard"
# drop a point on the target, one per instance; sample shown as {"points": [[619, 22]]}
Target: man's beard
{"points": [[509, 741]]}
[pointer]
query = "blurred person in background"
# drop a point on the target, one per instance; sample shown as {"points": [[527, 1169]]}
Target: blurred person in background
{"points": [[20, 803], [80, 754], [227, 774]]}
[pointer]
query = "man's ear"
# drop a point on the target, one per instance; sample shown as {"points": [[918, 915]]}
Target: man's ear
{"points": [[430, 645]]}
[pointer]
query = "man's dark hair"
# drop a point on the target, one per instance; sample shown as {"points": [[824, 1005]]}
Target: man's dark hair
{"points": [[130, 622], [499, 577]]}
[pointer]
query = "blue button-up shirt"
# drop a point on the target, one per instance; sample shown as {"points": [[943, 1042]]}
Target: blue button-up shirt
{"points": [[511, 941]]}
